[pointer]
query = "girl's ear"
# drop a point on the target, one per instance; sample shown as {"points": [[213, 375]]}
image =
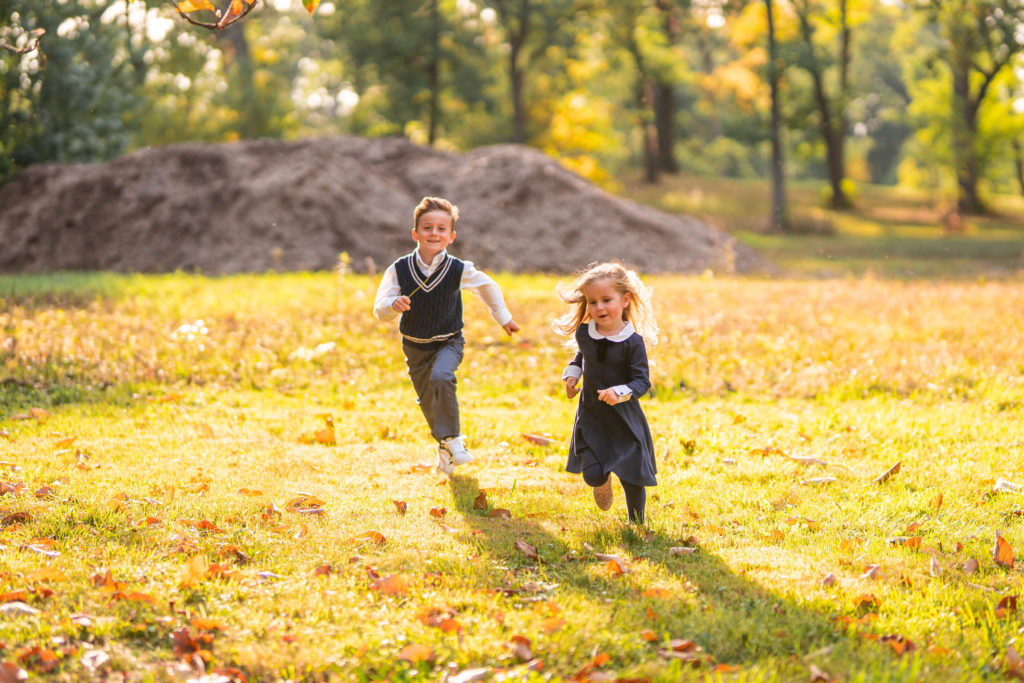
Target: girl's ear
{"points": [[628, 298]]}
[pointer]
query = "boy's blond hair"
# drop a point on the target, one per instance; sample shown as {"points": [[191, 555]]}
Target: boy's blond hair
{"points": [[428, 204], [639, 311]]}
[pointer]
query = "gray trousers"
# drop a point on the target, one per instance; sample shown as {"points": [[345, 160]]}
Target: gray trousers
{"points": [[432, 370]]}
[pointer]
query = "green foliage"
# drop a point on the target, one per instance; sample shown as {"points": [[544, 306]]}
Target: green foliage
{"points": [[69, 109]]}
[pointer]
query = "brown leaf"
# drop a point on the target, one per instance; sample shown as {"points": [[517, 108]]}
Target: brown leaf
{"points": [[401, 506], [934, 568], [527, 549], [538, 440], [438, 512], [828, 580], [866, 600], [1006, 606], [649, 636], [249, 492], [480, 502], [193, 571], [1002, 553], [377, 537], [46, 574], [970, 566], [936, 502], [1014, 663], [323, 570], [899, 644], [521, 648], [499, 512], [12, 673], [888, 473]]}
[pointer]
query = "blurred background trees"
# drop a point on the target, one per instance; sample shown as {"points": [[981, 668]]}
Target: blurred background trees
{"points": [[925, 93]]}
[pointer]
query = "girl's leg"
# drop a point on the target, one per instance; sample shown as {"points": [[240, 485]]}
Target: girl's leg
{"points": [[636, 501], [593, 475]]}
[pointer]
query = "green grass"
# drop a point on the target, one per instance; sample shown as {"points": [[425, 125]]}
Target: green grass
{"points": [[169, 462], [891, 232]]}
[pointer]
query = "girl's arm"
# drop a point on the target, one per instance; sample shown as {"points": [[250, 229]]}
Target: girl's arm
{"points": [[571, 375], [639, 378]]}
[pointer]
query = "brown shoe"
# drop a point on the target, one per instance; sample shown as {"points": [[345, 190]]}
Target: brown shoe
{"points": [[603, 495]]}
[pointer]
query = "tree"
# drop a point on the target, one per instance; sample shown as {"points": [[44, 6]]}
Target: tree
{"points": [[71, 110], [979, 40], [780, 217]]}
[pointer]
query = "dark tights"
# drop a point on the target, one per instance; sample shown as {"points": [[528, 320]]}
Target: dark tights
{"points": [[636, 496]]}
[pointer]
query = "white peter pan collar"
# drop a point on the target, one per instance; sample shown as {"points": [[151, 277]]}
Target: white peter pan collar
{"points": [[620, 336]]}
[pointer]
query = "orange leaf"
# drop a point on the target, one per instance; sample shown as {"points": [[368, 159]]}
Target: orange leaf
{"points": [[480, 502], [375, 536], [311, 5], [249, 492], [936, 502], [521, 647], [552, 624], [391, 585], [46, 574], [186, 6], [13, 596], [207, 624], [415, 653], [866, 600], [614, 568], [601, 659], [438, 512], [651, 614], [660, 593], [1002, 554], [193, 571], [401, 505], [649, 636]]}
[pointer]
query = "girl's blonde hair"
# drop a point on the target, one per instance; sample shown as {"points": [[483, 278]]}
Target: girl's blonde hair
{"points": [[638, 311]]}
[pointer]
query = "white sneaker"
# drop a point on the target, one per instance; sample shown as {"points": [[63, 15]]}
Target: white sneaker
{"points": [[444, 460], [457, 450]]}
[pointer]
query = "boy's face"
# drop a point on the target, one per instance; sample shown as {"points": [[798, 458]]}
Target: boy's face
{"points": [[434, 232]]}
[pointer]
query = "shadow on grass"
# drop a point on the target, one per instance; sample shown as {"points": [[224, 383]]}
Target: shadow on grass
{"points": [[731, 616]]}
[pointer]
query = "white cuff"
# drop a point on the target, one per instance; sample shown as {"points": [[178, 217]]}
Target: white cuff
{"points": [[623, 392], [573, 371]]}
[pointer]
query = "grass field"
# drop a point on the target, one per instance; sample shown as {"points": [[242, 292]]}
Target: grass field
{"points": [[223, 475]]}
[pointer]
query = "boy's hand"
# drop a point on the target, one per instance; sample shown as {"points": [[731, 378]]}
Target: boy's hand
{"points": [[608, 395], [570, 387], [510, 327], [401, 304]]}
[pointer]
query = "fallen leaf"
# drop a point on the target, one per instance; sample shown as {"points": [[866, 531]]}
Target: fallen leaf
{"points": [[888, 473], [899, 644], [552, 624], [819, 676], [1006, 606], [521, 648], [469, 675], [936, 502], [621, 564], [649, 636], [872, 571], [415, 653], [391, 585], [46, 574], [438, 512], [1014, 663], [499, 512], [538, 440], [970, 566], [527, 549], [828, 580], [375, 536], [866, 600], [934, 568], [1002, 553], [681, 550], [401, 506], [818, 481], [193, 571], [480, 502]]}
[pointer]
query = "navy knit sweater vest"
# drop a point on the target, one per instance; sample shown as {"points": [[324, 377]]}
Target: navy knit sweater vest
{"points": [[436, 312]]}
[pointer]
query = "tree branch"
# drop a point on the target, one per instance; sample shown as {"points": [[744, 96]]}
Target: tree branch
{"points": [[223, 22]]}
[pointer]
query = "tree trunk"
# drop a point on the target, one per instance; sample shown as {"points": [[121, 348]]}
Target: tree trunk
{"points": [[665, 99], [1018, 162], [780, 217], [434, 73], [664, 112], [965, 131]]}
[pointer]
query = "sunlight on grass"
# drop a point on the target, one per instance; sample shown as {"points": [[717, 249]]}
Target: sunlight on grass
{"points": [[230, 476]]}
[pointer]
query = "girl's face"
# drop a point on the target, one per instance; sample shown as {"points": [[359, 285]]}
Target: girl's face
{"points": [[606, 305]]}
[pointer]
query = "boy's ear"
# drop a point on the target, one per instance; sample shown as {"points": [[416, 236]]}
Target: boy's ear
{"points": [[415, 237], [453, 237]]}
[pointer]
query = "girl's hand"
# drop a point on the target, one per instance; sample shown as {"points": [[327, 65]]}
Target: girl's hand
{"points": [[570, 387], [510, 327], [608, 395], [401, 304]]}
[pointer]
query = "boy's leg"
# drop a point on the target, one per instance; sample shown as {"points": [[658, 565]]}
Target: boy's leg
{"points": [[433, 377], [636, 501], [441, 389]]}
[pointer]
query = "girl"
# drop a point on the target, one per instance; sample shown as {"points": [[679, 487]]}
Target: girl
{"points": [[610, 318]]}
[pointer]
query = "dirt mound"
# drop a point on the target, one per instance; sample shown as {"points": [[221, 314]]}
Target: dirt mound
{"points": [[257, 205]]}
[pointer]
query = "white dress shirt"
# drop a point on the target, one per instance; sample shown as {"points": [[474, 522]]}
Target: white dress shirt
{"points": [[474, 280]]}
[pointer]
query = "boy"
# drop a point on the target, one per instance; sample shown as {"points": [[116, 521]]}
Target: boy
{"points": [[425, 288]]}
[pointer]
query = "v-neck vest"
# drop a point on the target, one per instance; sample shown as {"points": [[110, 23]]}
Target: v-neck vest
{"points": [[436, 311]]}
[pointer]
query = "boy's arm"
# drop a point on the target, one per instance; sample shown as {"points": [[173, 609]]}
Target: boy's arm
{"points": [[387, 292], [481, 284]]}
